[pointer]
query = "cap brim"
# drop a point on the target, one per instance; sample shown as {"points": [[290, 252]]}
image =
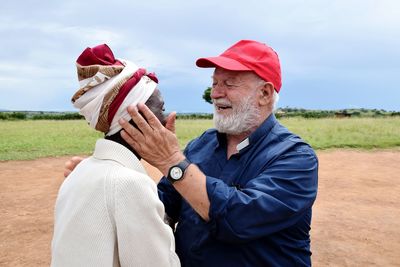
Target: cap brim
{"points": [[222, 62]]}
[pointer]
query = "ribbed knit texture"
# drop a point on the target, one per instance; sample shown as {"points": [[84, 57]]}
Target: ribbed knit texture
{"points": [[108, 214]]}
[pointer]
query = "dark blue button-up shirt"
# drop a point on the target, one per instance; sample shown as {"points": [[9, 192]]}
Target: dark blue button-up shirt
{"points": [[260, 201]]}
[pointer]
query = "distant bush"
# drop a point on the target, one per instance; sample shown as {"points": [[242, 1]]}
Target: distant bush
{"points": [[62, 116], [207, 95], [395, 114], [3, 116], [194, 116], [314, 115], [31, 115], [378, 113], [280, 113], [308, 114], [12, 116]]}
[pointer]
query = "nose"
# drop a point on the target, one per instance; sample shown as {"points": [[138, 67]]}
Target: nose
{"points": [[217, 92]]}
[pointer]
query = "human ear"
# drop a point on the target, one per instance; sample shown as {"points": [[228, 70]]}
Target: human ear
{"points": [[266, 93]]}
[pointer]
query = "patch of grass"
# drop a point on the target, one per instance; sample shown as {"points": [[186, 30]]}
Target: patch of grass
{"points": [[29, 139], [34, 139], [364, 133], [186, 130]]}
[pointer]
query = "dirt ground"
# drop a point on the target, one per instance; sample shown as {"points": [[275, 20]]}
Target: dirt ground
{"points": [[356, 217]]}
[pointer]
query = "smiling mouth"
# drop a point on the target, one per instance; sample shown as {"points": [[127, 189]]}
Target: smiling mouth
{"points": [[220, 108]]}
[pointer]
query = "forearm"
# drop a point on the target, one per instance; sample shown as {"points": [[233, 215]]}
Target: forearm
{"points": [[193, 189]]}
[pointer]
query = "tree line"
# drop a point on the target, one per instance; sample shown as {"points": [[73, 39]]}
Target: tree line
{"points": [[279, 113], [286, 112], [41, 115]]}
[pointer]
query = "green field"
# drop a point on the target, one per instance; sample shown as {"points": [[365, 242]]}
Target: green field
{"points": [[28, 139]]}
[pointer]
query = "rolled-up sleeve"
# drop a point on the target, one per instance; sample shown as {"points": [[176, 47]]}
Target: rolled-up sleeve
{"points": [[273, 200]]}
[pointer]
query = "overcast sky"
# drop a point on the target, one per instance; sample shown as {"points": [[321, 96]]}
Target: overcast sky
{"points": [[334, 54]]}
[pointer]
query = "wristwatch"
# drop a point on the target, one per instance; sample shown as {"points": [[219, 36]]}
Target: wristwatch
{"points": [[177, 171]]}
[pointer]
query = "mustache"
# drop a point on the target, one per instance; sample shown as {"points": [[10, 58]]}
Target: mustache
{"points": [[221, 101]]}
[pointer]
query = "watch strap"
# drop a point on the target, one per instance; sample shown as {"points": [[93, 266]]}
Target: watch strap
{"points": [[183, 165]]}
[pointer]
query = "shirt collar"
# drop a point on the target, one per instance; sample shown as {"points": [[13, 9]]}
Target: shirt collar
{"points": [[253, 138], [221, 137], [110, 150], [263, 129]]}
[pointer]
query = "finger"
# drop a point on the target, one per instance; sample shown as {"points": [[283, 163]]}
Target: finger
{"points": [[138, 119], [130, 130], [66, 173], [76, 160], [131, 134], [129, 139], [170, 122], [149, 116], [70, 165]]}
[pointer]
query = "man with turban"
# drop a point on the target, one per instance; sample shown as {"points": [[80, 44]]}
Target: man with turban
{"points": [[107, 211]]}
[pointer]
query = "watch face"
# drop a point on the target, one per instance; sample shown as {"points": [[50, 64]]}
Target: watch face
{"points": [[176, 173]]}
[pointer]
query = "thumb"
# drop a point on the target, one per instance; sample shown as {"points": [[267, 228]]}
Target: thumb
{"points": [[170, 122]]}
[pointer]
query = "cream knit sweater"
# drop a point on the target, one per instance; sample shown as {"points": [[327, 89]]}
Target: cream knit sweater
{"points": [[108, 214]]}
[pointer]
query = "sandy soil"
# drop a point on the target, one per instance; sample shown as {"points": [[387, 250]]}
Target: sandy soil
{"points": [[355, 222]]}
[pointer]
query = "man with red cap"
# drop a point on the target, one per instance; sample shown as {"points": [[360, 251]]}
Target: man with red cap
{"points": [[241, 193]]}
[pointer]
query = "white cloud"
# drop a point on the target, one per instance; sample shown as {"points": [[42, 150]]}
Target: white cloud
{"points": [[91, 34], [349, 42]]}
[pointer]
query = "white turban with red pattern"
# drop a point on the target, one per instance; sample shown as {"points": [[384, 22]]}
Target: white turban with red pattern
{"points": [[108, 86]]}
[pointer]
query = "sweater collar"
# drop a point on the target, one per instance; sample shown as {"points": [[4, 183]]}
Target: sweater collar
{"points": [[110, 150]]}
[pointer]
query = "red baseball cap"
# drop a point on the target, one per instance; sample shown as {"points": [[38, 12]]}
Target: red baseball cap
{"points": [[248, 55]]}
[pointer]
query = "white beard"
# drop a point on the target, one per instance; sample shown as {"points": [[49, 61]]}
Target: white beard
{"points": [[244, 117]]}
